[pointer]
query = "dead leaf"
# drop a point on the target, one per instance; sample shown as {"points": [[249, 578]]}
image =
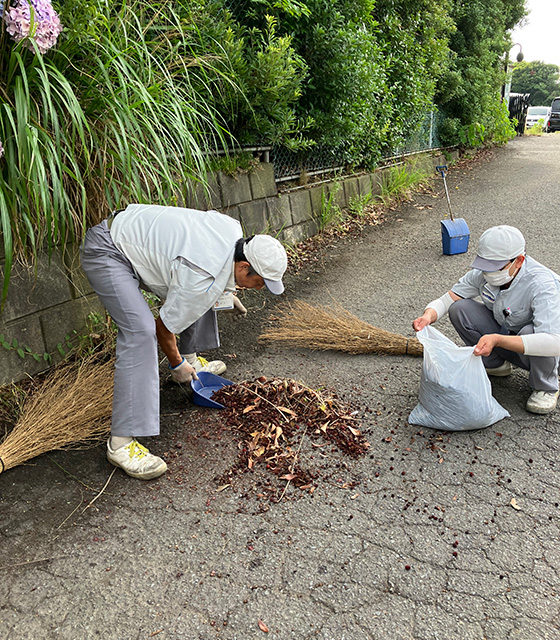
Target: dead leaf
{"points": [[286, 410], [515, 505], [354, 496], [288, 476], [224, 486], [249, 408], [354, 432], [262, 626]]}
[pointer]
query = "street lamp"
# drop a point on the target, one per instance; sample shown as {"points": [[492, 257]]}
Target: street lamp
{"points": [[520, 55], [507, 82]]}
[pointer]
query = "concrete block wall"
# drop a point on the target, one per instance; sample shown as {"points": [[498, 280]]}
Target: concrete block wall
{"points": [[45, 303], [53, 300]]}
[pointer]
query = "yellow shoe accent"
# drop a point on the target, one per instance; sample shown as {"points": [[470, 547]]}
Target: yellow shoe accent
{"points": [[135, 460]]}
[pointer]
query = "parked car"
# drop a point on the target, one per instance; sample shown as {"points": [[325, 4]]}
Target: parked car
{"points": [[554, 119], [534, 114]]}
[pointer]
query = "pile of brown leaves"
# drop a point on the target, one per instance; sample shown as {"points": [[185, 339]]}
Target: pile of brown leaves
{"points": [[274, 417]]}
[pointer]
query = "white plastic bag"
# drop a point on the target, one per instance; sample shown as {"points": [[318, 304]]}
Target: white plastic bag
{"points": [[455, 392]]}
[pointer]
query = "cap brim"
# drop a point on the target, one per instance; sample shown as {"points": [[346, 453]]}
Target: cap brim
{"points": [[488, 265], [274, 286]]}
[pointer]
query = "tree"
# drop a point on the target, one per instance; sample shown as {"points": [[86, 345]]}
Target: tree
{"points": [[539, 79], [468, 91]]}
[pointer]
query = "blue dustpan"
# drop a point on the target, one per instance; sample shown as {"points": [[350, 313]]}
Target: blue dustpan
{"points": [[204, 388]]}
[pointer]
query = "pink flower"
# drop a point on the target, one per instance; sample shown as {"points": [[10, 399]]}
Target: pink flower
{"points": [[34, 19]]}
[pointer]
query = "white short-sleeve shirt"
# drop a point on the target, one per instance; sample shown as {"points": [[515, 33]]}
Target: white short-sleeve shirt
{"points": [[184, 256]]}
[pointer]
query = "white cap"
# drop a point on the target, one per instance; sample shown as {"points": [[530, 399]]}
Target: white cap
{"points": [[498, 246], [268, 258]]}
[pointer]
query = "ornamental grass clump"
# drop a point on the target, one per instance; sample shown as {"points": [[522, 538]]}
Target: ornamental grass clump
{"points": [[108, 116], [334, 328]]}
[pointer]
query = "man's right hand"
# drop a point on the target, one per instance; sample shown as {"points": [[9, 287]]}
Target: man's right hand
{"points": [[183, 372], [428, 317]]}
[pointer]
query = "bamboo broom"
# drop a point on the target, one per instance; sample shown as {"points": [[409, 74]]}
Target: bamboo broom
{"points": [[70, 410], [334, 328]]}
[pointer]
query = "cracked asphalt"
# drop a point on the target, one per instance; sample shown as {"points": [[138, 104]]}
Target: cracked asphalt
{"points": [[419, 539]]}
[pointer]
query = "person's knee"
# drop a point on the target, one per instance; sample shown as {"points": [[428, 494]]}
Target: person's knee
{"points": [[457, 310], [146, 332], [141, 333]]}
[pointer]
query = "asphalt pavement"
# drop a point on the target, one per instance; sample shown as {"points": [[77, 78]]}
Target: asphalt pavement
{"points": [[419, 539]]}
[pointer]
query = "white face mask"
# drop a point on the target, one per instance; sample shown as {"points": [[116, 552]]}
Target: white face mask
{"points": [[497, 278]]}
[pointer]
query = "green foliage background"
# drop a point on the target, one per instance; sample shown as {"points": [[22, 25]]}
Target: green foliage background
{"points": [[540, 80], [137, 95], [478, 49]]}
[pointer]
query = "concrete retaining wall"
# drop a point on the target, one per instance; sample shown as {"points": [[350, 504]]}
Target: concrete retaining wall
{"points": [[47, 304]]}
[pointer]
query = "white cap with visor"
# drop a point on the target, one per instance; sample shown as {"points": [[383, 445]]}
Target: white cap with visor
{"points": [[268, 258], [497, 246]]}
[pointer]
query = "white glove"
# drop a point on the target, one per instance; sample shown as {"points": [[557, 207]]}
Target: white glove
{"points": [[183, 372], [238, 311]]}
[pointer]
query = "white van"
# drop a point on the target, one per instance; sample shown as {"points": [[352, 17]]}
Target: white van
{"points": [[534, 114]]}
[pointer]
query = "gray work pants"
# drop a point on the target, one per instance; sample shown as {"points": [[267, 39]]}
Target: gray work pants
{"points": [[136, 389], [473, 319]]}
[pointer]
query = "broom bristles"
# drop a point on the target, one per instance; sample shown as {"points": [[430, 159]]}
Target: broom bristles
{"points": [[335, 329], [71, 409]]}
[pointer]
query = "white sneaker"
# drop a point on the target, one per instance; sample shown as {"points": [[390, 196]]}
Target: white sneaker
{"points": [[542, 402], [201, 364], [136, 460], [503, 370]]}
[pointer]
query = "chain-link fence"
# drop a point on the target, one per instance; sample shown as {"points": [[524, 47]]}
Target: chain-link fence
{"points": [[289, 165], [423, 137]]}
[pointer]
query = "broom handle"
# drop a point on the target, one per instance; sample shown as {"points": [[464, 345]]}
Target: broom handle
{"points": [[442, 169]]}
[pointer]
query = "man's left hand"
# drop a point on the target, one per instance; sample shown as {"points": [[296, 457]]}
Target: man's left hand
{"points": [[239, 310], [486, 344]]}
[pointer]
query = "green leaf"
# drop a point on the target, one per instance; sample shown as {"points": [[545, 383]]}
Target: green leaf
{"points": [[15, 343], [21, 353]]}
